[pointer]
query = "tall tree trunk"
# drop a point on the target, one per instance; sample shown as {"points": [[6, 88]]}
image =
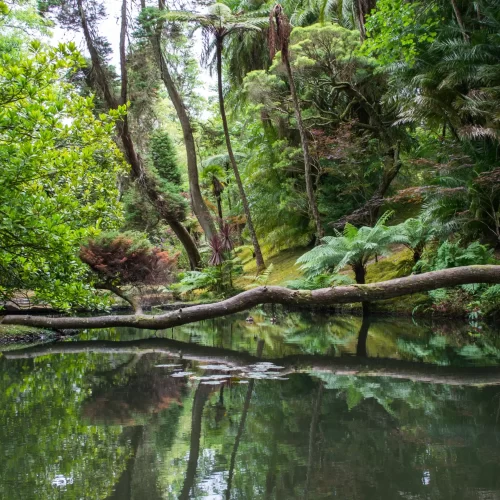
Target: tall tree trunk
{"points": [[255, 242], [146, 182], [460, 21], [361, 20], [363, 8], [199, 207], [313, 206]]}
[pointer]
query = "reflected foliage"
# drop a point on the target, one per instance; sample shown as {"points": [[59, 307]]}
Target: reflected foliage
{"points": [[120, 426]]}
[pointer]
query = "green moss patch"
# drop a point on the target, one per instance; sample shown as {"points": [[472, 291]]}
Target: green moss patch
{"points": [[397, 265], [284, 268]]}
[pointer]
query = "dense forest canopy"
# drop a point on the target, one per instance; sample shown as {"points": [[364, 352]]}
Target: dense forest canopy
{"points": [[352, 130]]}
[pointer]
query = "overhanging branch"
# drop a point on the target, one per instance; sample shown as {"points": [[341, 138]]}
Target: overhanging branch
{"points": [[275, 295], [343, 366]]}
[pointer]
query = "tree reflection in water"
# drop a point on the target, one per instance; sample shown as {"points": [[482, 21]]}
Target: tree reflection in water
{"points": [[113, 424]]}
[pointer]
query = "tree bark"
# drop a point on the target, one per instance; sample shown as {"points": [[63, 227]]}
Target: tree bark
{"points": [[134, 302], [253, 235], [460, 21], [275, 295], [305, 148], [199, 207], [364, 7], [145, 182], [360, 276], [361, 20], [343, 366]]}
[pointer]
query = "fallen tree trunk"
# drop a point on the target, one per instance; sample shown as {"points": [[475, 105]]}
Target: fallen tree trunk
{"points": [[275, 295], [343, 366]]}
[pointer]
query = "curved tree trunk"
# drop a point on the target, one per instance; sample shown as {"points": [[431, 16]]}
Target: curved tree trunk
{"points": [[305, 149], [276, 295], [146, 182], [199, 207], [343, 366], [134, 302], [253, 235]]}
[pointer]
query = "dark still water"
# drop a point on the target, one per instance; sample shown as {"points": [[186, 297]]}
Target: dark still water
{"points": [[313, 407]]}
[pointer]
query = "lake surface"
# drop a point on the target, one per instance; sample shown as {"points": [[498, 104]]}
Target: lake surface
{"points": [[314, 407]]}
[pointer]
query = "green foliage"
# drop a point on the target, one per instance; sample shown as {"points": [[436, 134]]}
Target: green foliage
{"points": [[418, 233], [452, 254], [466, 299], [399, 30], [327, 45], [197, 280], [260, 280], [59, 174], [219, 22], [164, 157], [216, 280], [489, 301], [320, 281], [140, 214], [354, 247]]}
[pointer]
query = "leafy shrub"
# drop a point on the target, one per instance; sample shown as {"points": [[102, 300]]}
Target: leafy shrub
{"points": [[451, 254], [490, 300], [465, 299], [216, 280], [207, 279], [128, 259]]}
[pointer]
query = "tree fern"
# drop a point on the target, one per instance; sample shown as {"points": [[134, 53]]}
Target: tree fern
{"points": [[354, 248]]}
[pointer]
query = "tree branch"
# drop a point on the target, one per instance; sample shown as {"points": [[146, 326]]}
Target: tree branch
{"points": [[343, 366], [276, 295], [133, 301]]}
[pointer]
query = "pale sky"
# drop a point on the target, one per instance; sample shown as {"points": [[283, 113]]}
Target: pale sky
{"points": [[110, 27]]}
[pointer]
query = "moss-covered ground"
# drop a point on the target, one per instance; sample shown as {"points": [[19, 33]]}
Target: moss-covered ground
{"points": [[396, 265], [399, 263], [284, 268]]}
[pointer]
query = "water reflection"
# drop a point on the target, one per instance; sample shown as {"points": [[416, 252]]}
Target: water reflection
{"points": [[415, 414]]}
